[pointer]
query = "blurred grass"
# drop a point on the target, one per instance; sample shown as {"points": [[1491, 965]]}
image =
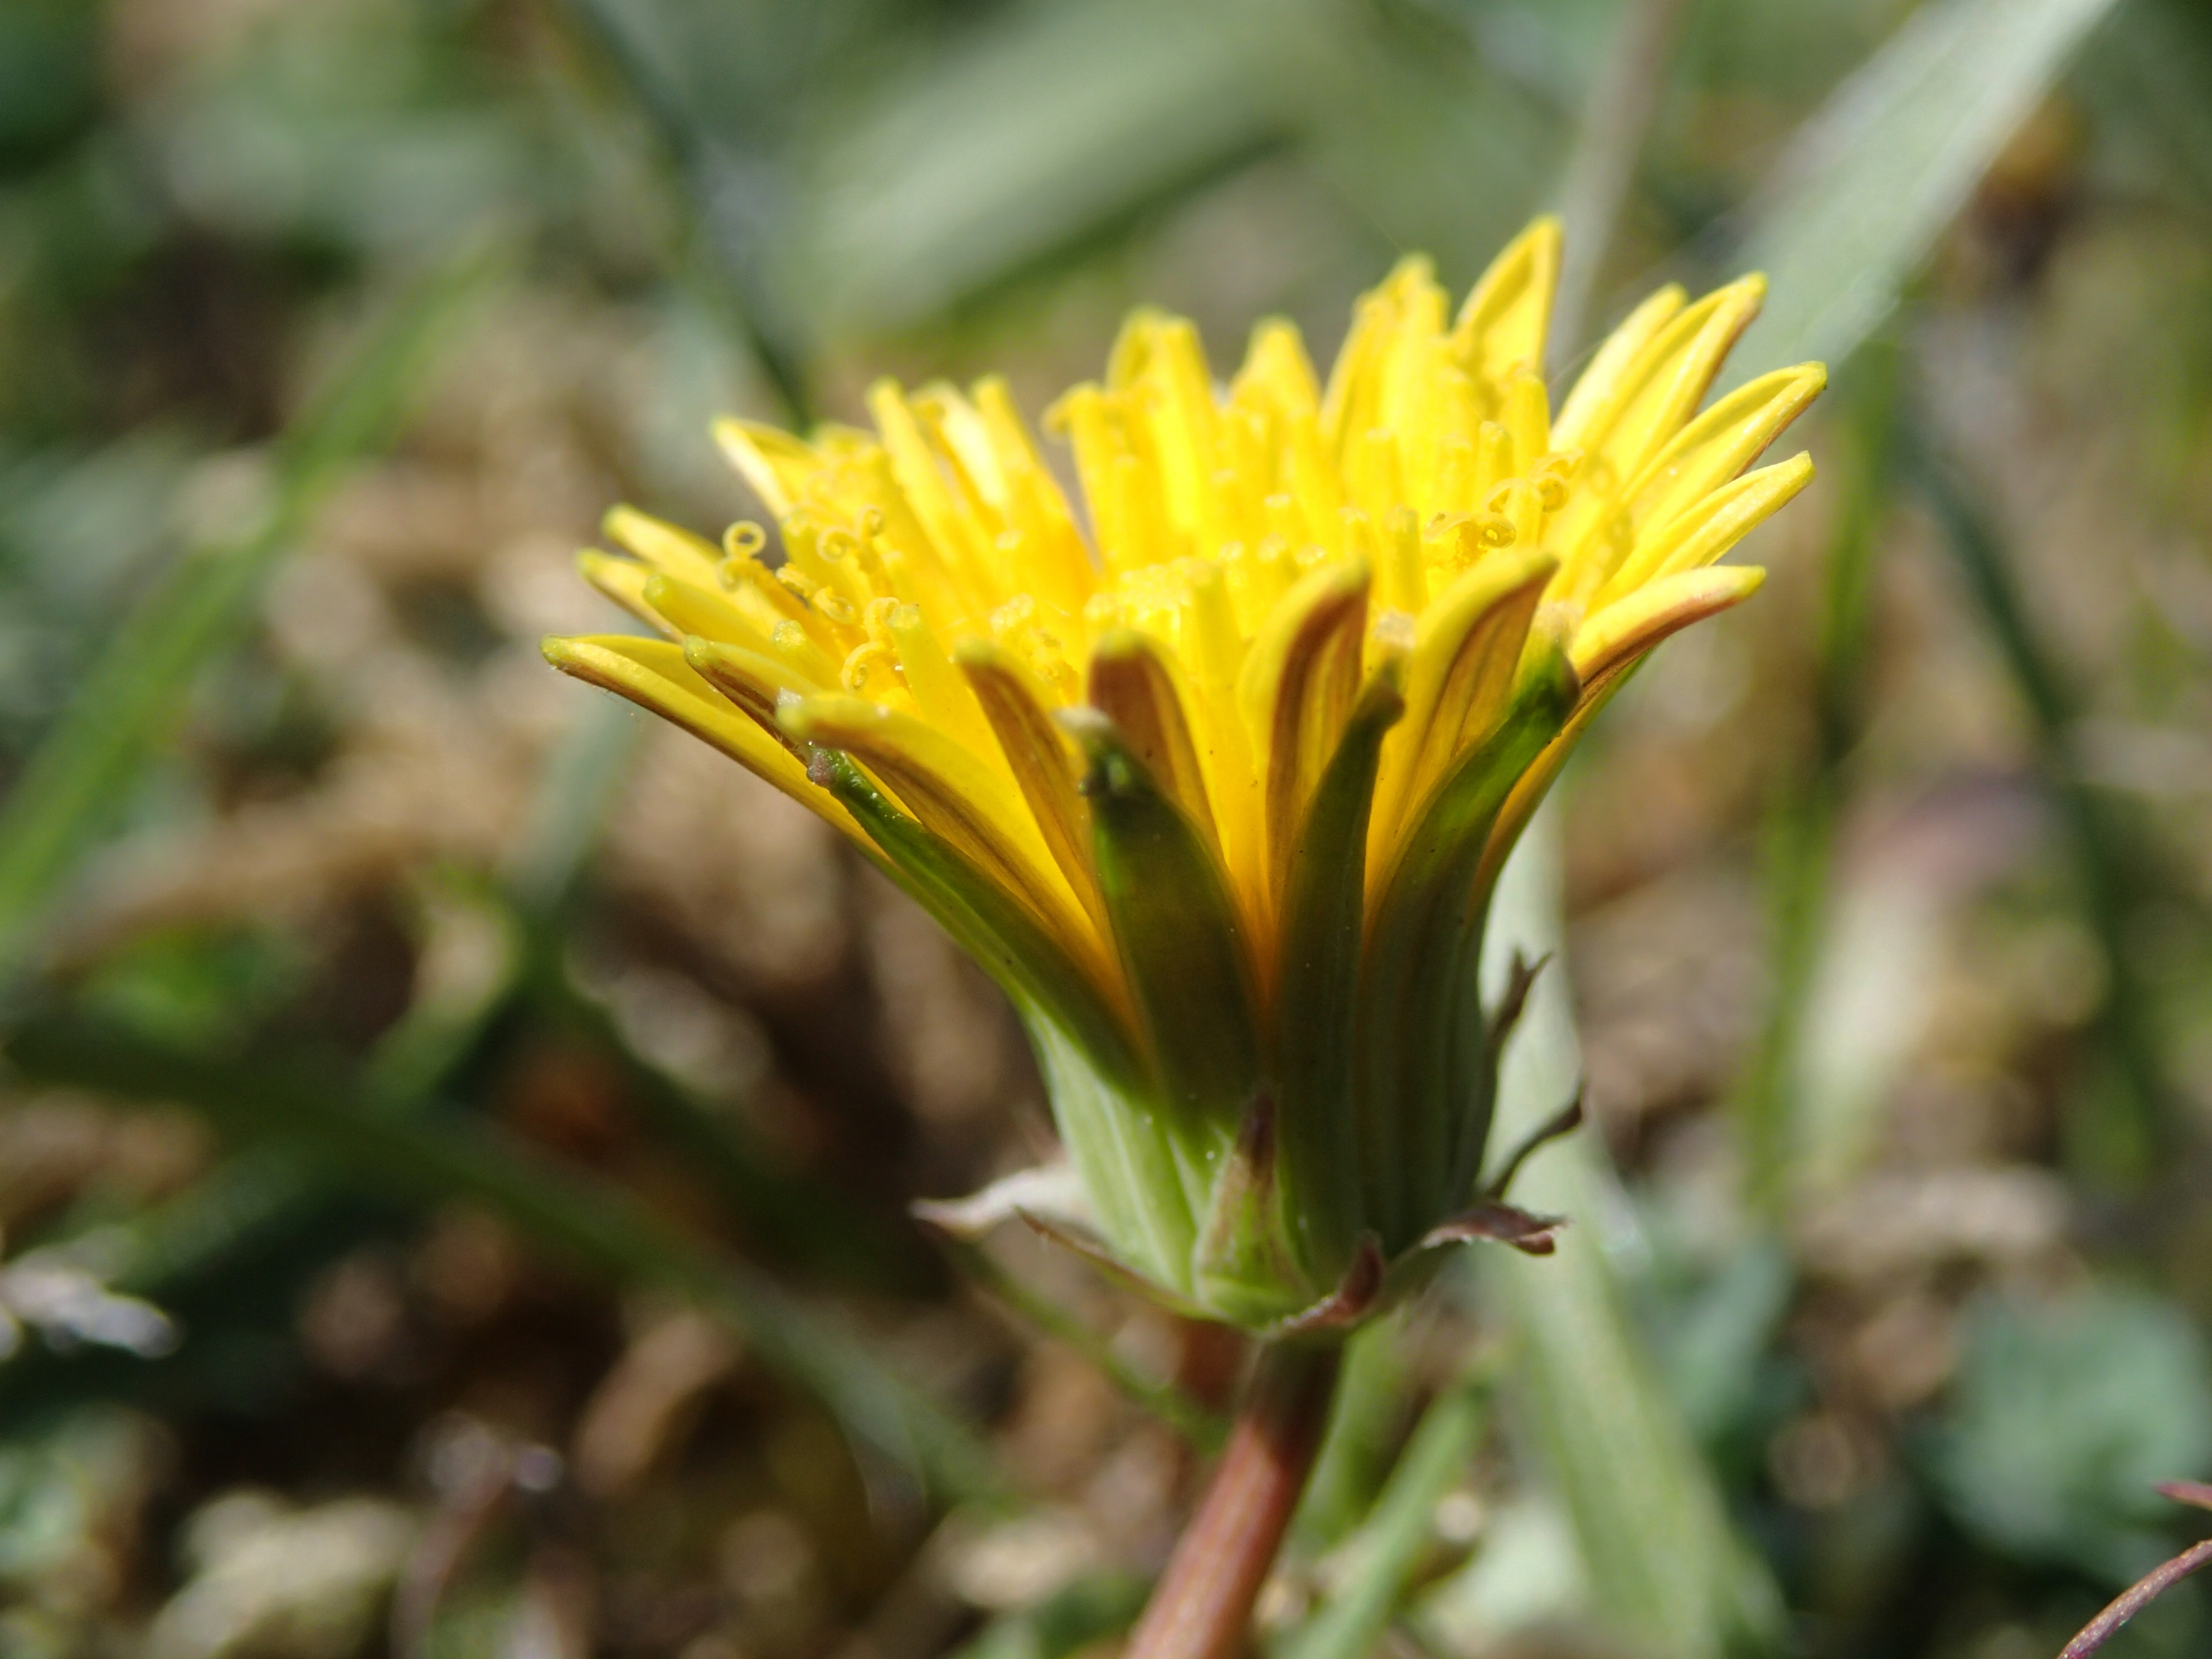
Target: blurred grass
{"points": [[1854, 208], [307, 1106], [1867, 185], [1787, 1142], [71, 790], [1662, 1557], [2126, 1146], [1399, 1531]]}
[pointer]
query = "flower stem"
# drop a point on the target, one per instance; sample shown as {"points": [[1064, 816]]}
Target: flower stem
{"points": [[2106, 1625], [1203, 1604]]}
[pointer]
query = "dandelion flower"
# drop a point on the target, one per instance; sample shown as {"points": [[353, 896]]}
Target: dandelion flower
{"points": [[1214, 771]]}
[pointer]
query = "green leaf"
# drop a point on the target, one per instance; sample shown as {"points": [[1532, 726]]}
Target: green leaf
{"points": [[994, 156], [1870, 181], [2054, 1445], [1868, 185]]}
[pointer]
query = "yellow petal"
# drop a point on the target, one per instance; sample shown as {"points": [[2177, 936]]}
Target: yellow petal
{"points": [[664, 547], [751, 587], [692, 609], [957, 424], [919, 478], [653, 674], [1612, 639], [941, 695], [1039, 756], [1212, 654], [1132, 685], [1457, 682], [1710, 528], [1600, 385], [1721, 442], [1298, 684], [1502, 327], [624, 581], [1179, 410], [755, 682], [1647, 401], [1380, 330], [1276, 373], [1669, 377], [776, 465], [1060, 567], [958, 797]]}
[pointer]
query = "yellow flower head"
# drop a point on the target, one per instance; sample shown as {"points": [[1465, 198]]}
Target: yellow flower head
{"points": [[1214, 776]]}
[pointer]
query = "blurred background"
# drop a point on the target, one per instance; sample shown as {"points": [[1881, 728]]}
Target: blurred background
{"points": [[456, 1136]]}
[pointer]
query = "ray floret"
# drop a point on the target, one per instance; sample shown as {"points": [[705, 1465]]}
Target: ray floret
{"points": [[1213, 767]]}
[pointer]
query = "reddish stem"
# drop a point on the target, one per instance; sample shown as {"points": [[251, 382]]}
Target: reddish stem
{"points": [[1202, 1607], [2106, 1625]]}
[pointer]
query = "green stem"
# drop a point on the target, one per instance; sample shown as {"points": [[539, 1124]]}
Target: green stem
{"points": [[2106, 1625], [1202, 1607]]}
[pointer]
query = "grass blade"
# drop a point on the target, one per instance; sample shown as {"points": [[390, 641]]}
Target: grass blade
{"points": [[1868, 185], [2107, 868], [1796, 1125], [1399, 1531], [1029, 142], [1870, 182], [1654, 1532]]}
